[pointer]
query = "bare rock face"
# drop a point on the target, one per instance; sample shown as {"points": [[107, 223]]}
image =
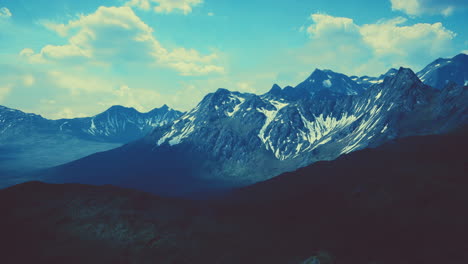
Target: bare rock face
{"points": [[441, 72]]}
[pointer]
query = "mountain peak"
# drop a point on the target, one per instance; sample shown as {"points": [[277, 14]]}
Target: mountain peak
{"points": [[406, 80], [163, 108], [222, 91], [390, 72], [441, 71], [322, 82], [319, 72], [406, 72], [120, 108], [404, 75], [461, 56], [276, 89]]}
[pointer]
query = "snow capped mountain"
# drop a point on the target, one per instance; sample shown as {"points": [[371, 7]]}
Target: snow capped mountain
{"points": [[442, 71], [14, 122], [231, 138], [320, 84], [29, 141], [291, 129], [117, 124], [330, 81]]}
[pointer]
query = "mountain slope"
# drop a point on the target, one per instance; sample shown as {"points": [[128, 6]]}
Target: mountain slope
{"points": [[233, 139], [439, 73], [399, 203]]}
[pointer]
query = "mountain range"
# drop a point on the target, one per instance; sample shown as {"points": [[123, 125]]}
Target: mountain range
{"points": [[117, 124], [235, 139], [29, 141]]}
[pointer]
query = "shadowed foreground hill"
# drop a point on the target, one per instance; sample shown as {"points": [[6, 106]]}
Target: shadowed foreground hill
{"points": [[404, 202]]}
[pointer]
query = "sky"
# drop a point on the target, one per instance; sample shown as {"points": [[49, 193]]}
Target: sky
{"points": [[68, 58]]}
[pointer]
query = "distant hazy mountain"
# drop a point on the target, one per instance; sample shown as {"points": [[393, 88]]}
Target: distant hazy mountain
{"points": [[117, 124], [367, 81], [233, 138], [402, 202], [29, 141]]}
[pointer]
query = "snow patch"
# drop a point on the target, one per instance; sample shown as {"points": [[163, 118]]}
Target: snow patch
{"points": [[270, 116], [92, 128], [61, 126], [384, 129], [176, 135], [237, 107], [327, 83], [378, 95]]}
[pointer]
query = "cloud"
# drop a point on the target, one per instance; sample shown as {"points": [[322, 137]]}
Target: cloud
{"points": [[341, 44], [4, 91], [420, 7], [141, 99], [70, 93], [114, 35], [77, 84], [103, 92], [28, 80], [391, 38], [142, 4], [27, 52], [165, 6], [5, 13], [66, 112], [325, 25]]}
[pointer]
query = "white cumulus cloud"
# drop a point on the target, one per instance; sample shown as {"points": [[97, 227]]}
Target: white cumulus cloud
{"points": [[420, 7], [390, 37], [341, 44], [165, 6], [114, 35]]}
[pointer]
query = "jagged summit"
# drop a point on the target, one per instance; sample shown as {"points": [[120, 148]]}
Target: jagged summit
{"points": [[119, 109], [321, 83], [441, 71], [275, 89], [403, 73], [222, 91]]}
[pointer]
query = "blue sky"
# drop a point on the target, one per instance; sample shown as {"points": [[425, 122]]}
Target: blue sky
{"points": [[68, 58]]}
